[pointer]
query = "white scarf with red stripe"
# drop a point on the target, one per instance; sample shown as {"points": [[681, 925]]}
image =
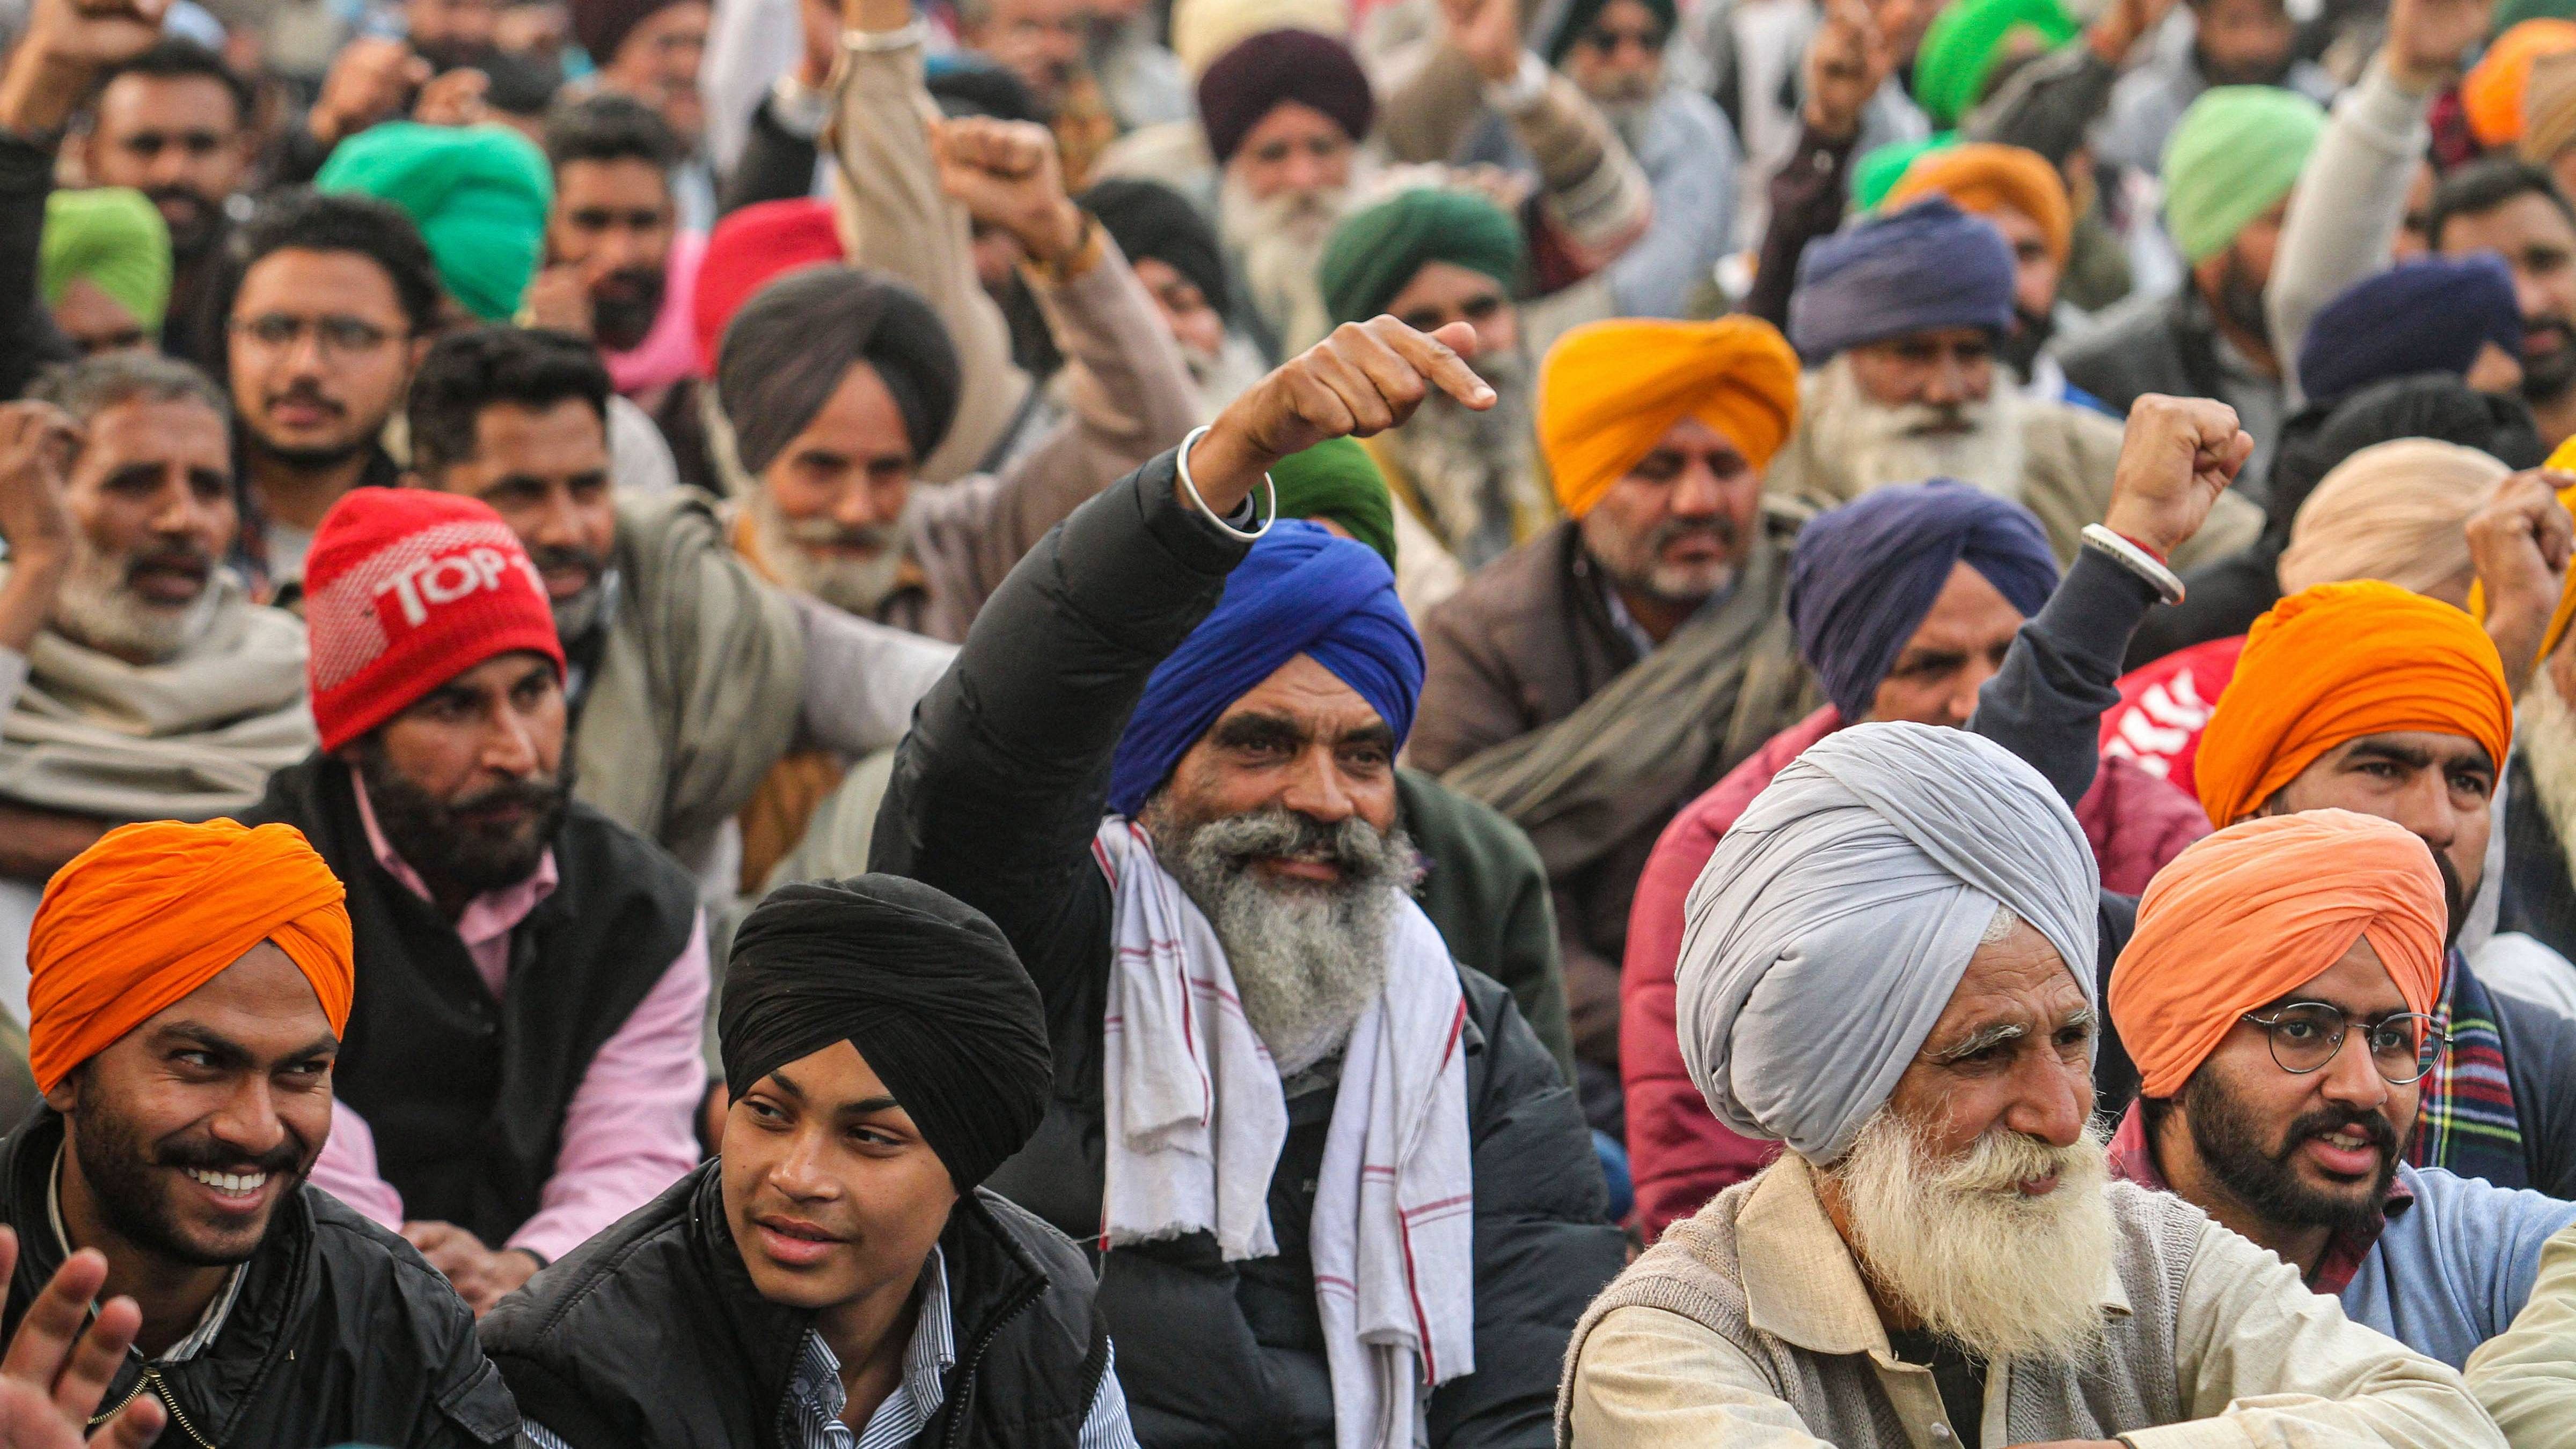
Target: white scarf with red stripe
{"points": [[1195, 1120]]}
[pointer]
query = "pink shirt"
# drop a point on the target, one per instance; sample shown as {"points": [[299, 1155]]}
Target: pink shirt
{"points": [[630, 1130]]}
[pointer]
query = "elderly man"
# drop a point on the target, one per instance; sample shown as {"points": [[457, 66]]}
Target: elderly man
{"points": [[2228, 174], [192, 984], [1238, 727], [141, 682], [2025, 198], [522, 1060], [1899, 319], [1172, 246], [337, 300], [884, 1052], [1429, 256], [1591, 681], [1938, 1256], [2260, 954], [695, 677], [1903, 604]]}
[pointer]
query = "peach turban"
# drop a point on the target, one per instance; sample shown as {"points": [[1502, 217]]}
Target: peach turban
{"points": [[2491, 93], [1607, 392], [2247, 916], [1981, 176], [154, 911], [2334, 663]]}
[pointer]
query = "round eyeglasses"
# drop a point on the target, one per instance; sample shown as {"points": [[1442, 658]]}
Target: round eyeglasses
{"points": [[2306, 1035]]}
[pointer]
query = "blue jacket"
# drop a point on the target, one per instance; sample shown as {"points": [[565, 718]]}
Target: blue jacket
{"points": [[2453, 1267]]}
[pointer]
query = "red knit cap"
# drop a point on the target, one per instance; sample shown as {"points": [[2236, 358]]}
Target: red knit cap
{"points": [[405, 589], [749, 249]]}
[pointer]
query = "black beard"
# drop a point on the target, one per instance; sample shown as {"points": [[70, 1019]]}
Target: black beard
{"points": [[2021, 346], [2240, 299], [120, 1168], [2546, 378], [309, 459], [2455, 895], [2258, 1175], [190, 239], [425, 831], [624, 317], [2268, 73]]}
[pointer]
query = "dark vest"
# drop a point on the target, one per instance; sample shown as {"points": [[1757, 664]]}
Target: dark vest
{"points": [[466, 1095], [651, 1335]]}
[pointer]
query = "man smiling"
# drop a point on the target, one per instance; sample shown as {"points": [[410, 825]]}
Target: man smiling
{"points": [[191, 985]]}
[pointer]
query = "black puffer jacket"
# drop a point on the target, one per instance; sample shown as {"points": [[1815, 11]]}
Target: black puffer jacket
{"points": [[651, 1335], [341, 1332], [995, 799]]}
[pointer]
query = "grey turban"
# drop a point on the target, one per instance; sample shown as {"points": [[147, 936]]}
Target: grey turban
{"points": [[1832, 924]]}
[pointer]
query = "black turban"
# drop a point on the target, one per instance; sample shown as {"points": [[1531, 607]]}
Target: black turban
{"points": [[790, 346], [923, 985], [2434, 405], [1149, 219]]}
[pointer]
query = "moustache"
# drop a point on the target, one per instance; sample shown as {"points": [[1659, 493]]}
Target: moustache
{"points": [[1719, 531], [630, 284], [2370, 1126], [1278, 833], [552, 556], [531, 792], [823, 533], [209, 1155], [304, 392], [187, 560]]}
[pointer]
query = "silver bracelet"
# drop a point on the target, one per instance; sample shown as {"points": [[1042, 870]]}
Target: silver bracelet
{"points": [[2166, 583], [911, 32], [1182, 461]]}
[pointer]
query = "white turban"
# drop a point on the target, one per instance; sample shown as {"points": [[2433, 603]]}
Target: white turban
{"points": [[1832, 924]]}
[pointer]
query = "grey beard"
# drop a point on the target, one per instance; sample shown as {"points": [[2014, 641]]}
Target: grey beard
{"points": [[1275, 244], [2545, 733], [855, 586], [1474, 471], [1861, 445], [1307, 959], [95, 608]]}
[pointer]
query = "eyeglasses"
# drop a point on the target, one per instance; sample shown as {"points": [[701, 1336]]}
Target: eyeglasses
{"points": [[2306, 1035], [338, 336]]}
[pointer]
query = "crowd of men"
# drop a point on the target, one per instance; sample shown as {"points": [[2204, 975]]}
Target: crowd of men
{"points": [[1390, 724]]}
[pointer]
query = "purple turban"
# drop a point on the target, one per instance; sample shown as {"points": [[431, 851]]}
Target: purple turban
{"points": [[1300, 591], [2431, 315], [1864, 576], [1928, 266], [1251, 80]]}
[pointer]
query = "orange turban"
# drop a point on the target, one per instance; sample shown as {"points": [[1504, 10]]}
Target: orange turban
{"points": [[2334, 663], [1608, 391], [2246, 916], [2491, 93], [154, 911], [1981, 177]]}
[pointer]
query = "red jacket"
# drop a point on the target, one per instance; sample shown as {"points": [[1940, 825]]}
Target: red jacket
{"points": [[1677, 1152]]}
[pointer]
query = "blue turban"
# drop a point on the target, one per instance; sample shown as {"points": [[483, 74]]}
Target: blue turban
{"points": [[1930, 265], [1300, 591], [2431, 315], [1865, 574]]}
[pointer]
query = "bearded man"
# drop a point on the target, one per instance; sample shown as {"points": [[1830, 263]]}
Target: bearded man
{"points": [[192, 984], [2501, 205], [2228, 173], [1286, 113], [1594, 679], [140, 681], [1166, 770], [2539, 889], [1889, 968], [2025, 198], [1172, 246], [1904, 604], [1899, 319], [521, 1062], [2260, 955], [1429, 256]]}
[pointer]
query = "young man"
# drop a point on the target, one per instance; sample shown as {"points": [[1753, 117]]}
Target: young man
{"points": [[174, 123], [650, 50], [2503, 206], [137, 679], [838, 1273], [522, 1060], [336, 301], [1236, 841], [191, 986], [2277, 999]]}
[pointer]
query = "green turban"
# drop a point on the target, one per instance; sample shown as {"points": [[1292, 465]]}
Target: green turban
{"points": [[1960, 50], [478, 193], [2510, 13], [2232, 157], [114, 237], [1374, 253], [1879, 169], [1337, 479]]}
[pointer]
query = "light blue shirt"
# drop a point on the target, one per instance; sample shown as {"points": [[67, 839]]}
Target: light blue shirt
{"points": [[2452, 1269]]}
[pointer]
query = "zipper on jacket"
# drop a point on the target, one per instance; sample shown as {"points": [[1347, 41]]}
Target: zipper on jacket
{"points": [[151, 1378], [963, 1399]]}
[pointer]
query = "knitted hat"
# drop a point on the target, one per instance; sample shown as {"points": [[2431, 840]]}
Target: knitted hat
{"points": [[404, 590]]}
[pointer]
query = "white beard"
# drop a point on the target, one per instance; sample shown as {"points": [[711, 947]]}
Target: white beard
{"points": [[1860, 445], [1475, 471], [2546, 735], [1275, 245], [2005, 1276], [97, 609], [854, 585]]}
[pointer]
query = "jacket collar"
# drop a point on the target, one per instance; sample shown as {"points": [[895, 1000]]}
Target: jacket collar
{"points": [[1801, 1283]]}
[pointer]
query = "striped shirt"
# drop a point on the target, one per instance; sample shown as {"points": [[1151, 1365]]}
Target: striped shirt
{"points": [[810, 1418]]}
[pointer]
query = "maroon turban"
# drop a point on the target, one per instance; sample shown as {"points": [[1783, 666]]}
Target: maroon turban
{"points": [[1250, 81]]}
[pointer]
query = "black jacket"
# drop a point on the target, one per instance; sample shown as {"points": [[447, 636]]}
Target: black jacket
{"points": [[996, 795], [466, 1094], [341, 1332], [651, 1335]]}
